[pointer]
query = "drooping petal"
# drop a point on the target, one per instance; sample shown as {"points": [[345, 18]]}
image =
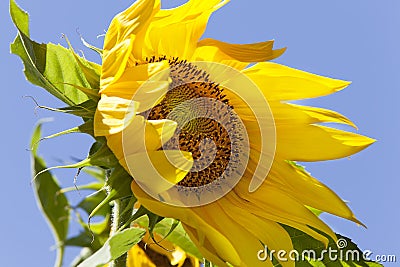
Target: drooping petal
{"points": [[268, 232], [204, 234], [159, 170], [323, 198], [271, 203], [140, 135], [138, 89], [206, 248], [247, 245], [278, 82]]}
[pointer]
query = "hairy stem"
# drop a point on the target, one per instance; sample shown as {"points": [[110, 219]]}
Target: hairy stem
{"points": [[118, 220]]}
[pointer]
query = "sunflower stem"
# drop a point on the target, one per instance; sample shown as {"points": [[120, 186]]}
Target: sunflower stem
{"points": [[119, 219]]}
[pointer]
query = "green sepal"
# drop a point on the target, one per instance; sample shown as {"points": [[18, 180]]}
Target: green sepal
{"points": [[93, 94], [92, 186], [86, 127], [102, 157], [92, 47], [117, 186], [91, 70], [86, 109]]}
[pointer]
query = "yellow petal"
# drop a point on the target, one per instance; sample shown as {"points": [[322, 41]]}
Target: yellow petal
{"points": [[140, 135], [121, 38], [175, 32], [275, 238], [114, 62], [214, 54], [214, 252], [290, 114], [113, 114], [323, 198], [316, 143], [133, 78], [246, 244], [278, 82], [157, 171], [138, 258], [256, 52], [129, 22], [272, 203], [208, 239], [164, 129]]}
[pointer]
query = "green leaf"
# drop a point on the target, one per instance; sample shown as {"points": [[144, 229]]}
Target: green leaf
{"points": [[50, 66], [83, 255], [83, 239], [53, 204], [177, 236], [93, 237], [114, 247], [209, 264]]}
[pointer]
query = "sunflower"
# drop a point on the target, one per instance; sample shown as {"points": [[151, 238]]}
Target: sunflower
{"points": [[170, 100]]}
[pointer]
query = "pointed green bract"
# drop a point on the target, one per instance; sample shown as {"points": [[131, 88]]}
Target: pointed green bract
{"points": [[54, 204], [91, 70]]}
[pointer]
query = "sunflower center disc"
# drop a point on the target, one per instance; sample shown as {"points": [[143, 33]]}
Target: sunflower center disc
{"points": [[206, 123]]}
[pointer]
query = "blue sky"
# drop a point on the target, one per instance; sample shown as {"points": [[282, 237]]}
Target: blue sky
{"points": [[352, 40]]}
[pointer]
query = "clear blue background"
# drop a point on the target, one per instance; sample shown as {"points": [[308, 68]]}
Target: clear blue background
{"points": [[355, 40]]}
